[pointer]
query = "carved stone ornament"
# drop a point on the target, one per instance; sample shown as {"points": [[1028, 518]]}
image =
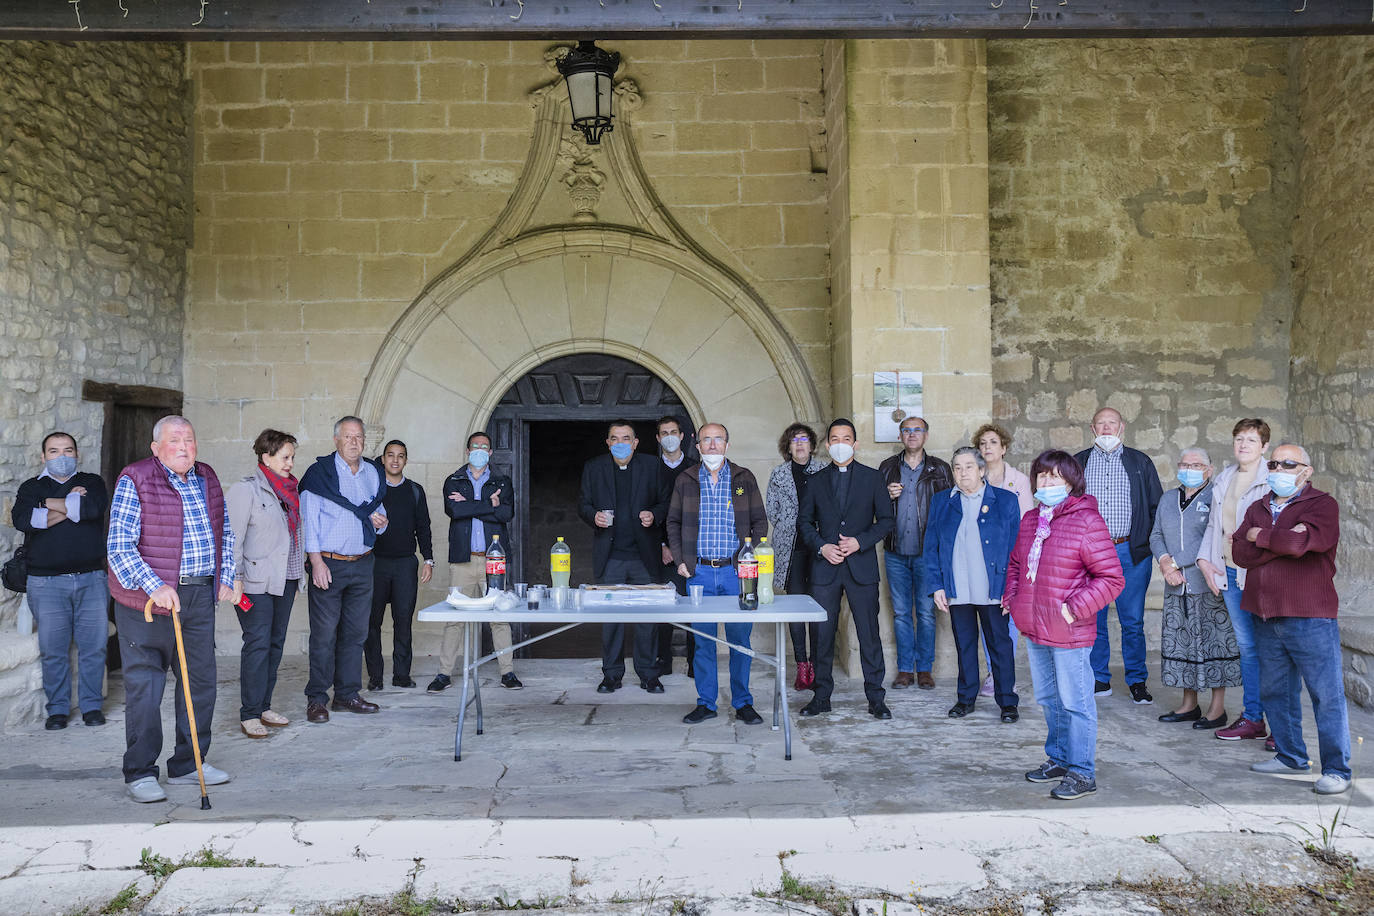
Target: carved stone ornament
{"points": [[582, 178]]}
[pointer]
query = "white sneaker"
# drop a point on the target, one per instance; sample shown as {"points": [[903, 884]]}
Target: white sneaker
{"points": [[214, 776], [146, 790], [1331, 784], [1275, 765]]}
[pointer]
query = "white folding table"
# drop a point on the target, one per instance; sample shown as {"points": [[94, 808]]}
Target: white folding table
{"points": [[784, 609]]}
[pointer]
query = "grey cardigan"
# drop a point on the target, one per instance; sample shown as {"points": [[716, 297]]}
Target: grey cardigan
{"points": [[262, 542], [780, 503], [1178, 532]]}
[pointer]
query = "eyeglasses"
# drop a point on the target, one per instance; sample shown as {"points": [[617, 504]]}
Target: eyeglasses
{"points": [[1192, 466], [718, 440], [1287, 465], [485, 448], [912, 430], [799, 439]]}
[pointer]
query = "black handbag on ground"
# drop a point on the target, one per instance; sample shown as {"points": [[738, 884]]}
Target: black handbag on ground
{"points": [[15, 572]]}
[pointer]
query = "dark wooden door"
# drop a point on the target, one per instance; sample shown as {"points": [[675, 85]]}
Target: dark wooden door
{"points": [[548, 425]]}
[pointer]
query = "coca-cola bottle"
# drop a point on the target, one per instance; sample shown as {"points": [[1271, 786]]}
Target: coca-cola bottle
{"points": [[747, 565], [496, 565]]}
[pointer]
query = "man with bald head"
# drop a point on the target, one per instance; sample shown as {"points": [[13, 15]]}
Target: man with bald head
{"points": [[1287, 544], [170, 543], [1127, 489]]}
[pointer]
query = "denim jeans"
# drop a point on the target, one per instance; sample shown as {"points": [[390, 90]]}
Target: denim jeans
{"points": [[913, 611], [1243, 622], [1130, 613], [1064, 689], [720, 581], [1293, 650], [67, 607]]}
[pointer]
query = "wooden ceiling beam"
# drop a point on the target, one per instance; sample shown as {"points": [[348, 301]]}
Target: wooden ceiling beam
{"points": [[314, 20]]}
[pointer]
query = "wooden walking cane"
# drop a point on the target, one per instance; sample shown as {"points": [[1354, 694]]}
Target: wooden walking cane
{"points": [[190, 707]]}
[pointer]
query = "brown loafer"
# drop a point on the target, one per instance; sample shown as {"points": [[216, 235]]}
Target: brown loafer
{"points": [[903, 680], [315, 712], [357, 704], [924, 680]]}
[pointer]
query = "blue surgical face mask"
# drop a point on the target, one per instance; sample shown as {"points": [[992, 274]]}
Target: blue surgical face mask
{"points": [[478, 458], [1052, 496], [1283, 484], [61, 467], [622, 450], [1190, 477]]}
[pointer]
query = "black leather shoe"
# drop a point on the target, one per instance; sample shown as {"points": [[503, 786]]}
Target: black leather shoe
{"points": [[374, 683], [1218, 722], [879, 711], [440, 683], [608, 685], [700, 714], [748, 716], [653, 685], [814, 708], [55, 723], [959, 710], [402, 682], [357, 704], [94, 717], [1191, 715], [1010, 714]]}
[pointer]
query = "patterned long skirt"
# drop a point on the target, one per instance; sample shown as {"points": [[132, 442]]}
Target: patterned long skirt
{"points": [[1198, 649]]}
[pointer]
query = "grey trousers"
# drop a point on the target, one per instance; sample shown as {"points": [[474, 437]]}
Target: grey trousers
{"points": [[147, 650]]}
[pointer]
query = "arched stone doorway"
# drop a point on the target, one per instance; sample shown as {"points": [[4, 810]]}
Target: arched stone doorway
{"points": [[544, 429]]}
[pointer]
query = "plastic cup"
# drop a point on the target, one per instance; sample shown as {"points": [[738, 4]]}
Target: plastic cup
{"points": [[577, 599], [610, 515], [520, 589], [696, 593], [560, 597], [534, 595]]}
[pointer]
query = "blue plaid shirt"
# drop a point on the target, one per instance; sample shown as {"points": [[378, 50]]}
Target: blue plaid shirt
{"points": [[197, 537], [1110, 485], [329, 527], [716, 538]]}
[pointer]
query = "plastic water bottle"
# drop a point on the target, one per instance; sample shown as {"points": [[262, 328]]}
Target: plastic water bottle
{"points": [[764, 554], [747, 565], [560, 564], [496, 565]]}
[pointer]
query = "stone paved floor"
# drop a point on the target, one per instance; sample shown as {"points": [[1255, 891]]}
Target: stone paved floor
{"points": [[572, 795]]}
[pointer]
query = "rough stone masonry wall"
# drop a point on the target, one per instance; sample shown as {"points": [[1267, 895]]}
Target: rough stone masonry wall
{"points": [[1141, 193], [333, 181], [95, 186], [1332, 396]]}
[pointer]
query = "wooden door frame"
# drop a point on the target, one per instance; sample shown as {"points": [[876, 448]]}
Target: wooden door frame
{"points": [[112, 395]]}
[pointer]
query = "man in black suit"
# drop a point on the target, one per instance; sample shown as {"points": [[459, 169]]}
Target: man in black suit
{"points": [[625, 499], [844, 513]]}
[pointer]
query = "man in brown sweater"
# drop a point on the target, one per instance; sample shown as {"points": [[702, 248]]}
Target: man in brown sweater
{"points": [[1287, 543]]}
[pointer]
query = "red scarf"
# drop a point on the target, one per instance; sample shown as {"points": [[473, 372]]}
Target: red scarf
{"points": [[289, 496]]}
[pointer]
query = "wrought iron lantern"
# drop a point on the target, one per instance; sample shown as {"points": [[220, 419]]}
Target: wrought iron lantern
{"points": [[588, 70]]}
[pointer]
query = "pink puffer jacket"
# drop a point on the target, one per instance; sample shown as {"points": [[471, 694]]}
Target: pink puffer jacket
{"points": [[1078, 566]]}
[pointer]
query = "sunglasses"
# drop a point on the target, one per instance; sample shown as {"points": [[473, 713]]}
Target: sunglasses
{"points": [[1287, 465]]}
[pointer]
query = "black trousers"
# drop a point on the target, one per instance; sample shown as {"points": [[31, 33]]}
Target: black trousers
{"points": [[630, 572], [148, 650], [799, 583], [338, 627], [863, 605], [395, 581], [666, 630], [964, 620], [264, 636]]}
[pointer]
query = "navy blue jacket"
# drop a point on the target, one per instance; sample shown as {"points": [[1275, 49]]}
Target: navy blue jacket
{"points": [[998, 522]]}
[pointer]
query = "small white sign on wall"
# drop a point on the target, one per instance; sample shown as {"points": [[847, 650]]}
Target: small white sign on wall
{"points": [[896, 396]]}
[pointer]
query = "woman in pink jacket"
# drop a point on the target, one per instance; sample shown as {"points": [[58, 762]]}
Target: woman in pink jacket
{"points": [[1063, 569]]}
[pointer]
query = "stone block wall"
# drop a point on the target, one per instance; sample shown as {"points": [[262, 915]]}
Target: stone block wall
{"points": [[95, 192], [1141, 193], [334, 181]]}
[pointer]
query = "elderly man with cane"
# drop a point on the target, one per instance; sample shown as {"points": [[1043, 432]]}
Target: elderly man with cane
{"points": [[171, 555]]}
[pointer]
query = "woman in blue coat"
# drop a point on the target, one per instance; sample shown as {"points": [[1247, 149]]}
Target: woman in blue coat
{"points": [[969, 539]]}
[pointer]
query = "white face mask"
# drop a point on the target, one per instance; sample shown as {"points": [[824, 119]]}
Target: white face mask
{"points": [[713, 462], [1107, 443], [670, 443], [841, 452]]}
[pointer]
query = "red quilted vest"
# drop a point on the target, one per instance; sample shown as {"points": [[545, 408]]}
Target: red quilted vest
{"points": [[159, 541]]}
